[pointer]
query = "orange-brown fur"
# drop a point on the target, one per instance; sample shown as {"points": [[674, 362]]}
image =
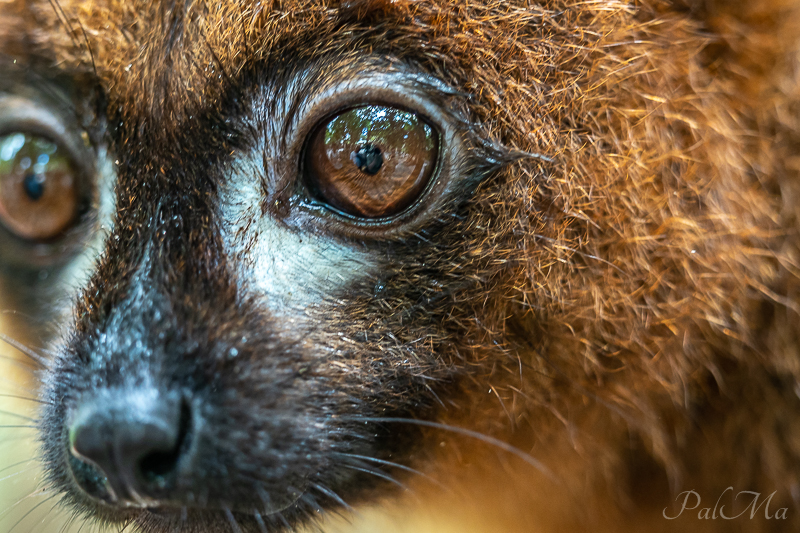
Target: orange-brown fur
{"points": [[638, 327]]}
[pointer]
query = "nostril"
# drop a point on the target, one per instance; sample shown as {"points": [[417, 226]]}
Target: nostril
{"points": [[133, 438], [155, 467]]}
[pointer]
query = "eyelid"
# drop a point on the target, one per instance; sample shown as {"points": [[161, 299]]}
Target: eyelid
{"points": [[288, 106], [395, 89], [416, 93], [18, 113], [22, 114], [28, 115]]}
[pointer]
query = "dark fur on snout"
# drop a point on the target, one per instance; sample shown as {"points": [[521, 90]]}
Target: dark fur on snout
{"points": [[164, 311]]}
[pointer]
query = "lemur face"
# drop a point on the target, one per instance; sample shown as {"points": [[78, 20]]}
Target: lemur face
{"points": [[229, 355], [257, 271], [273, 258]]}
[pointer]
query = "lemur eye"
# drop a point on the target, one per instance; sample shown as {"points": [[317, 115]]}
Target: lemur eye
{"points": [[38, 186], [371, 161]]}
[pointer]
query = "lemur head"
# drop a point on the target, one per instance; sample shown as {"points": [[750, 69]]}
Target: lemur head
{"points": [[290, 234], [259, 302], [269, 217]]}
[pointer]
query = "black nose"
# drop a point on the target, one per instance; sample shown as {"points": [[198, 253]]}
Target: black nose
{"points": [[135, 438]]}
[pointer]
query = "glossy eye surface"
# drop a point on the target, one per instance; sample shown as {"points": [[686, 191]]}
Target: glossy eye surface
{"points": [[38, 186], [371, 161]]}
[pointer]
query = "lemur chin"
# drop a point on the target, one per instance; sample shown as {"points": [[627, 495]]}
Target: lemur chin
{"points": [[489, 266]]}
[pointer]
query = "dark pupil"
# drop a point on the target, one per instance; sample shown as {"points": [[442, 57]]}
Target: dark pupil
{"points": [[367, 158], [34, 186]]}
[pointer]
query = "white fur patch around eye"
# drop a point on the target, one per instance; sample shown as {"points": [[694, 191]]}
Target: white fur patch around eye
{"points": [[76, 275], [291, 269]]}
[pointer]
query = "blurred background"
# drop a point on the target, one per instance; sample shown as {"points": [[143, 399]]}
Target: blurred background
{"points": [[25, 506]]}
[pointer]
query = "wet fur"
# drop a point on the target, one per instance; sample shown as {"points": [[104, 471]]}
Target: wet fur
{"points": [[623, 308]]}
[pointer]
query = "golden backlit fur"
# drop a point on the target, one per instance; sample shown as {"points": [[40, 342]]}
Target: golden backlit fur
{"points": [[631, 318]]}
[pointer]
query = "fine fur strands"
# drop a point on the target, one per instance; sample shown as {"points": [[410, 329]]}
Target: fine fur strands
{"points": [[614, 291]]}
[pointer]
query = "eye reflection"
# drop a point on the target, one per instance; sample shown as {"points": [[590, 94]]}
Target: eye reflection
{"points": [[38, 186], [371, 161]]}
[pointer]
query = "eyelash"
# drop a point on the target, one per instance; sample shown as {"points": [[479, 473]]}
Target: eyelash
{"points": [[287, 194]]}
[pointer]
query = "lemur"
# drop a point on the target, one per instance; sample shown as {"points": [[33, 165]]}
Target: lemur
{"points": [[400, 265]]}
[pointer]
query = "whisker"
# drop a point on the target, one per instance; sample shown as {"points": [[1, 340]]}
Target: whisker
{"points": [[9, 467], [18, 397], [68, 524], [309, 504], [14, 475], [17, 312], [83, 525], [62, 18], [17, 361], [17, 415], [33, 494], [25, 350], [266, 501], [332, 495], [11, 385], [285, 522], [260, 521], [394, 465], [466, 433], [26, 515], [232, 521], [376, 473], [17, 438], [48, 517]]}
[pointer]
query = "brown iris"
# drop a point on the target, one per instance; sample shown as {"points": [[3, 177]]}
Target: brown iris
{"points": [[372, 161], [38, 187]]}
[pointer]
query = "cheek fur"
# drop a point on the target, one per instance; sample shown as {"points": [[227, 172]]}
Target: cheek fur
{"points": [[289, 271], [76, 275]]}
